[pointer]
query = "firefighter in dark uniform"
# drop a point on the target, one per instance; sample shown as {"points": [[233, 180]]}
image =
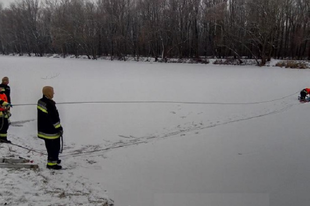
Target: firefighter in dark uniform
{"points": [[49, 127], [5, 85], [4, 116]]}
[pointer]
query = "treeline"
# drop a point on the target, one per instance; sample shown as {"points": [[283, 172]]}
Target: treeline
{"points": [[162, 29]]}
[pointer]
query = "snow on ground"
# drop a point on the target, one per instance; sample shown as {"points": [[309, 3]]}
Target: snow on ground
{"points": [[160, 134]]}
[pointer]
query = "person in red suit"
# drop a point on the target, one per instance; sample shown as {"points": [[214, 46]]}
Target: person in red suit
{"points": [[304, 93]]}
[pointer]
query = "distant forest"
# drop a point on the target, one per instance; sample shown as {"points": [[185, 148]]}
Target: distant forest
{"points": [[163, 29]]}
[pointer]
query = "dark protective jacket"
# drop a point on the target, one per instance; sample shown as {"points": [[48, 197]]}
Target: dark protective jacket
{"points": [[7, 91], [49, 126]]}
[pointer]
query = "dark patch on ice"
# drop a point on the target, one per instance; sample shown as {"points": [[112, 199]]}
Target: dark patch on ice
{"points": [[21, 123]]}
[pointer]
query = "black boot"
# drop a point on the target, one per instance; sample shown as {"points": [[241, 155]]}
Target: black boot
{"points": [[58, 161], [54, 167], [5, 141]]}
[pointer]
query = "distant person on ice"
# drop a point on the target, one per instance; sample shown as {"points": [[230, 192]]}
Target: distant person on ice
{"points": [[4, 84], [4, 116], [305, 94], [49, 127]]}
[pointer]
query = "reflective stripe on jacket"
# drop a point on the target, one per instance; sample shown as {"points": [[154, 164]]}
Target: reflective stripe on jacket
{"points": [[48, 119], [6, 114]]}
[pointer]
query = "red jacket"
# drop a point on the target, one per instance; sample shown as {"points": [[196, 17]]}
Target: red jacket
{"points": [[3, 98], [307, 90]]}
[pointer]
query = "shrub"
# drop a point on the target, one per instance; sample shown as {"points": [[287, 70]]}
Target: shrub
{"points": [[227, 61], [293, 64]]}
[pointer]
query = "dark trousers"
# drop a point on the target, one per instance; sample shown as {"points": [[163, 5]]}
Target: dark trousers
{"points": [[53, 148], [4, 126]]}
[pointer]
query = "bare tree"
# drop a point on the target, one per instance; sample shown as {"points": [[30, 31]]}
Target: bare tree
{"points": [[164, 29]]}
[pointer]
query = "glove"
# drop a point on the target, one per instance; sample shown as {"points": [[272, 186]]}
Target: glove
{"points": [[7, 114], [6, 105], [60, 130]]}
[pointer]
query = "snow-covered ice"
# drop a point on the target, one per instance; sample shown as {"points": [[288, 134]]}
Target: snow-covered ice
{"points": [[160, 134]]}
